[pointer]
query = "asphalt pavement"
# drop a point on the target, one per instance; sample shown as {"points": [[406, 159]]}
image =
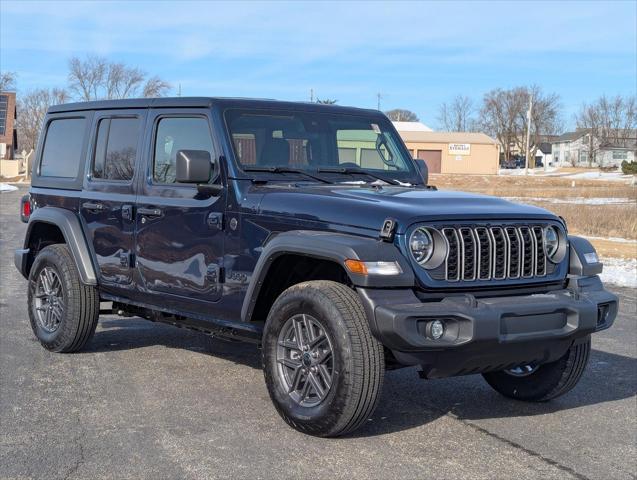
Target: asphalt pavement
{"points": [[145, 400]]}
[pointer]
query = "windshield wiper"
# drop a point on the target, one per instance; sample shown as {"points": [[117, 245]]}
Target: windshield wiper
{"points": [[350, 170], [285, 170]]}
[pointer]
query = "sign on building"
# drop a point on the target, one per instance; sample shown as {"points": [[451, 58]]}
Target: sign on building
{"points": [[459, 149]]}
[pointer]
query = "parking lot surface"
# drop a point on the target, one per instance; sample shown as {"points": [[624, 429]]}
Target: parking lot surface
{"points": [[147, 400]]}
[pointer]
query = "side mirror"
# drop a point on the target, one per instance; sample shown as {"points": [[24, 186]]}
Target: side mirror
{"points": [[422, 168], [193, 166]]}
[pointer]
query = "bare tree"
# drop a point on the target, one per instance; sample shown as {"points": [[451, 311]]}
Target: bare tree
{"points": [[498, 116], [121, 80], [155, 87], [86, 77], [504, 116], [401, 115], [326, 101], [545, 119], [608, 121], [32, 108], [95, 78], [457, 115], [7, 81]]}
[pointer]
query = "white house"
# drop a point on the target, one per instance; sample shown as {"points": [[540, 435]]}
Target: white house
{"points": [[573, 148]]}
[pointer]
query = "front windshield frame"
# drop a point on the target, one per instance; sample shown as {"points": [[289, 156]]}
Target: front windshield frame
{"points": [[408, 174]]}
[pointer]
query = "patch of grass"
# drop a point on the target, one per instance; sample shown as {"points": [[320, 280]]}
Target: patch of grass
{"points": [[596, 220]]}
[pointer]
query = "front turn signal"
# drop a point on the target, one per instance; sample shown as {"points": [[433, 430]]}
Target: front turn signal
{"points": [[373, 268]]}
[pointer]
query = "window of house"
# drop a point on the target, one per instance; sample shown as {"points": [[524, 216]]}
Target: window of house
{"points": [[620, 155], [116, 148], [174, 134], [4, 104], [62, 152]]}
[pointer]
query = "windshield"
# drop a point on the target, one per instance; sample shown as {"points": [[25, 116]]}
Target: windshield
{"points": [[324, 143]]}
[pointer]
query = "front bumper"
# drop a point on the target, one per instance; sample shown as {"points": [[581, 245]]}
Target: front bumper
{"points": [[486, 334]]}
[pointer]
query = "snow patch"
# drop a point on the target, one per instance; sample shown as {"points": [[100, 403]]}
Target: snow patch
{"points": [[612, 239], [5, 187], [620, 272]]}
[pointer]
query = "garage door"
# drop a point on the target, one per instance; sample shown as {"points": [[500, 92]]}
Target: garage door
{"points": [[433, 159]]}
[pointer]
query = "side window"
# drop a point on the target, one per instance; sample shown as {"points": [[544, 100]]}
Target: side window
{"points": [[174, 134], [116, 148], [62, 152]]}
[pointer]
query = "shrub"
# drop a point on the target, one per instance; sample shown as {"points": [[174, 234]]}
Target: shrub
{"points": [[629, 168]]}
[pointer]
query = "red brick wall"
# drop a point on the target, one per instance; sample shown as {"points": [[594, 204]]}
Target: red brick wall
{"points": [[10, 125]]}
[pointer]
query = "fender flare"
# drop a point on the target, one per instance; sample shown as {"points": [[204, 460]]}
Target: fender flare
{"points": [[583, 259], [71, 229], [335, 247]]}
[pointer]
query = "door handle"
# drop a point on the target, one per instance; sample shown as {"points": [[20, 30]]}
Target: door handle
{"points": [[93, 206], [149, 212]]}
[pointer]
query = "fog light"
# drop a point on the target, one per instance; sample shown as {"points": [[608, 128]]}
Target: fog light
{"points": [[436, 329]]}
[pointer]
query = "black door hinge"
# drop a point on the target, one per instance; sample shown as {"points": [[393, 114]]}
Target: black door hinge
{"points": [[126, 259], [215, 220], [127, 212]]}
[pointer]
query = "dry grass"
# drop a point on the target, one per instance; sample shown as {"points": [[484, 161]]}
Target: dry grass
{"points": [[593, 220], [535, 187]]}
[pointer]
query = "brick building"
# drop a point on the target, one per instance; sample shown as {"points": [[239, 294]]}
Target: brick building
{"points": [[8, 134]]}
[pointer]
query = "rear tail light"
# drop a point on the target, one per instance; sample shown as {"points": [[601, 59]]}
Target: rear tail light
{"points": [[25, 208]]}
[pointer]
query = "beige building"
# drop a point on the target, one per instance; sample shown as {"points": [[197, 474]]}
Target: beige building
{"points": [[454, 152]]}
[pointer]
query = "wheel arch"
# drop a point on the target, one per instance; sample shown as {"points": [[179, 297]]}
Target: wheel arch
{"points": [[309, 255], [49, 225]]}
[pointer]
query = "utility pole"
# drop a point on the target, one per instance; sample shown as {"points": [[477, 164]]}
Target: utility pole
{"points": [[179, 91], [311, 95], [378, 97], [528, 135]]}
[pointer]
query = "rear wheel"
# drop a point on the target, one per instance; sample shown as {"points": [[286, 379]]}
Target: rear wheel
{"points": [[539, 383], [63, 311], [322, 366]]}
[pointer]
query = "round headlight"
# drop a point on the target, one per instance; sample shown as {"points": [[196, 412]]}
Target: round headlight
{"points": [[421, 245], [551, 242]]}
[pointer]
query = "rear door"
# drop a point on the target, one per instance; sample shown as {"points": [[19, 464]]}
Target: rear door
{"points": [[108, 197], [179, 242]]}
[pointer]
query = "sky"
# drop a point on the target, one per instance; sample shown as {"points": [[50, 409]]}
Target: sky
{"points": [[415, 54]]}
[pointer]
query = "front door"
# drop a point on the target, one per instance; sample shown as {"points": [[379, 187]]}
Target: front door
{"points": [[179, 240], [108, 197]]}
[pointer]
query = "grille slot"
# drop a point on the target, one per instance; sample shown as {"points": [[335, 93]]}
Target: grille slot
{"points": [[479, 253]]}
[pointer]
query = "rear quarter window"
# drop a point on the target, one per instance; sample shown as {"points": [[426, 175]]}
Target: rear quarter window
{"points": [[62, 151]]}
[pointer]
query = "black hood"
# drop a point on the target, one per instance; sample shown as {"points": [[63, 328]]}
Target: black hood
{"points": [[367, 206]]}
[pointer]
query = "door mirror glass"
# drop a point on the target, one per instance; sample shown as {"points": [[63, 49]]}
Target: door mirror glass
{"points": [[193, 166], [422, 168]]}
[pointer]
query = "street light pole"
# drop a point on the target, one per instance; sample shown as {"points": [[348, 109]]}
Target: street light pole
{"points": [[528, 135]]}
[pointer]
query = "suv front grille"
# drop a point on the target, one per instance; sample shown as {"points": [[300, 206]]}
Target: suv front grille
{"points": [[483, 253]]}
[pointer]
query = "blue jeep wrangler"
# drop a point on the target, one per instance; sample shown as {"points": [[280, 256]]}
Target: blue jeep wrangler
{"points": [[310, 230]]}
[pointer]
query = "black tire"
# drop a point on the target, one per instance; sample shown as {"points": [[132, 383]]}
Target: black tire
{"points": [[548, 381], [79, 306], [358, 367]]}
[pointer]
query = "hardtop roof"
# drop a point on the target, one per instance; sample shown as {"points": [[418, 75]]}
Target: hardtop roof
{"points": [[207, 102]]}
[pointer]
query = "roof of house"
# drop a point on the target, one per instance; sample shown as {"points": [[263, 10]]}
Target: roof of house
{"points": [[447, 137], [545, 147], [411, 127], [570, 136]]}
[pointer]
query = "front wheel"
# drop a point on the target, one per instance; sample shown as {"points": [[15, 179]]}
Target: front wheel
{"points": [[322, 366], [540, 383]]}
